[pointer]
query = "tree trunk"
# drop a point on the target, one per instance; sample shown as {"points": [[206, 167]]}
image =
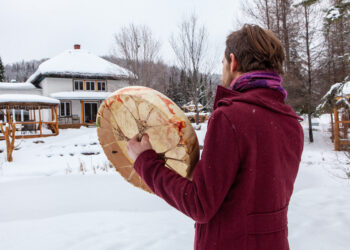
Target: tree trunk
{"points": [[267, 14], [309, 80], [285, 34]]}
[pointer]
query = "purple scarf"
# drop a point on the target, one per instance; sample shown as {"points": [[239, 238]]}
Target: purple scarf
{"points": [[259, 79]]}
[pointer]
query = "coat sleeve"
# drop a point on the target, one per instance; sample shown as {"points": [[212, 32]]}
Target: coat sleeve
{"points": [[213, 175]]}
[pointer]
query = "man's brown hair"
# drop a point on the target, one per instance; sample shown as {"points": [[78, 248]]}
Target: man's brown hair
{"points": [[255, 49]]}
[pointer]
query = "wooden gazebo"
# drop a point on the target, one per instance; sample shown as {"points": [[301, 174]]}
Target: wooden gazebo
{"points": [[41, 113], [341, 124]]}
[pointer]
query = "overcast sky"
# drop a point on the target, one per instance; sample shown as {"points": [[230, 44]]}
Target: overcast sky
{"points": [[35, 29]]}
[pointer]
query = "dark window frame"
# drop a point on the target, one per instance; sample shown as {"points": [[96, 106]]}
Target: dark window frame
{"points": [[79, 84], [65, 108]]}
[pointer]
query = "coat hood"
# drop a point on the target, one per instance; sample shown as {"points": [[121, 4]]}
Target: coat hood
{"points": [[267, 98]]}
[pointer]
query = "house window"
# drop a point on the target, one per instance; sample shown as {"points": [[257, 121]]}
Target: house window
{"points": [[101, 86], [90, 85], [78, 85], [65, 109]]}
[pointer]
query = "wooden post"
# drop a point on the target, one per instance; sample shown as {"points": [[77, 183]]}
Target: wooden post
{"points": [[332, 127], [9, 132], [34, 120], [344, 126], [8, 114], [336, 130], [82, 111], [52, 114], [56, 114], [40, 123]]}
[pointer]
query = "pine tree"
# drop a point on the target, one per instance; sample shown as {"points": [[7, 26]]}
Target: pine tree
{"points": [[2, 71]]}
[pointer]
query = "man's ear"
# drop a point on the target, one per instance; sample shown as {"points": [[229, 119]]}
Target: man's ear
{"points": [[233, 64]]}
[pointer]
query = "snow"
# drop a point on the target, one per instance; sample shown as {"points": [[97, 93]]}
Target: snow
{"points": [[82, 62], [346, 88], [54, 197], [79, 95], [191, 104], [194, 113], [20, 98], [16, 86], [333, 14]]}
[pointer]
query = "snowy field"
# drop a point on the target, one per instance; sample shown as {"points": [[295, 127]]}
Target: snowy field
{"points": [[60, 193]]}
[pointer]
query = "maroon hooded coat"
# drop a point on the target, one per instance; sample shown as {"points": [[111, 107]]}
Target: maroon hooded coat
{"points": [[242, 185]]}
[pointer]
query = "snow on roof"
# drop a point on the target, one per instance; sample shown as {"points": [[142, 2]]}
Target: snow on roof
{"points": [[79, 62], [16, 86], [346, 88], [81, 95], [22, 98], [190, 104]]}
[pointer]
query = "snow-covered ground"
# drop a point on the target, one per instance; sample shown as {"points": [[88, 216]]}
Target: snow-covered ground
{"points": [[60, 193]]}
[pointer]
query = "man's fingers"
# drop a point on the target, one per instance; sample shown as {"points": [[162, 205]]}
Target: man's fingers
{"points": [[135, 138], [145, 137]]}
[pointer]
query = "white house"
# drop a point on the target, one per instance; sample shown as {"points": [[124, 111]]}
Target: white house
{"points": [[79, 79]]}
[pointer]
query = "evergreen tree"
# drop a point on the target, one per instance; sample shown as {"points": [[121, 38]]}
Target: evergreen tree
{"points": [[2, 71]]}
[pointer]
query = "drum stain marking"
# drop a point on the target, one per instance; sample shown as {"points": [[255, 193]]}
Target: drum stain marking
{"points": [[177, 123], [167, 103]]}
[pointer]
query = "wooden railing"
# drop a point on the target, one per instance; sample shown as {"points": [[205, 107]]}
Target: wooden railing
{"points": [[53, 126]]}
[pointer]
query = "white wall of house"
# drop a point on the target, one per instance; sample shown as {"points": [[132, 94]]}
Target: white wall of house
{"points": [[53, 85], [76, 108], [113, 85]]}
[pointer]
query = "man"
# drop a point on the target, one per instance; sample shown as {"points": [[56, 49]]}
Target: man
{"points": [[243, 182]]}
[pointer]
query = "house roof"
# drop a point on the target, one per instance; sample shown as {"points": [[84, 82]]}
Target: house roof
{"points": [[78, 63], [22, 98], [16, 86], [80, 95]]}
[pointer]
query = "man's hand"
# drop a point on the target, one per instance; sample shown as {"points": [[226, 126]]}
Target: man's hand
{"points": [[136, 147]]}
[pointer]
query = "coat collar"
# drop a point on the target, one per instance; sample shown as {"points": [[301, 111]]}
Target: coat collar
{"points": [[267, 98]]}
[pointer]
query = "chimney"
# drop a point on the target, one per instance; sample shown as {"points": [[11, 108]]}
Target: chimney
{"points": [[76, 46]]}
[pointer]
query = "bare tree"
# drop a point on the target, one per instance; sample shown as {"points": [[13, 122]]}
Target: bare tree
{"points": [[190, 47], [137, 45], [309, 32]]}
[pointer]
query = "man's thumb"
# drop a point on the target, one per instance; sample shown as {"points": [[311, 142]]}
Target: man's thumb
{"points": [[145, 138]]}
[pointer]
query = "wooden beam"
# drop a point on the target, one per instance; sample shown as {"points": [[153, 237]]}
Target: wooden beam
{"points": [[343, 122], [29, 136], [336, 130], [344, 142]]}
